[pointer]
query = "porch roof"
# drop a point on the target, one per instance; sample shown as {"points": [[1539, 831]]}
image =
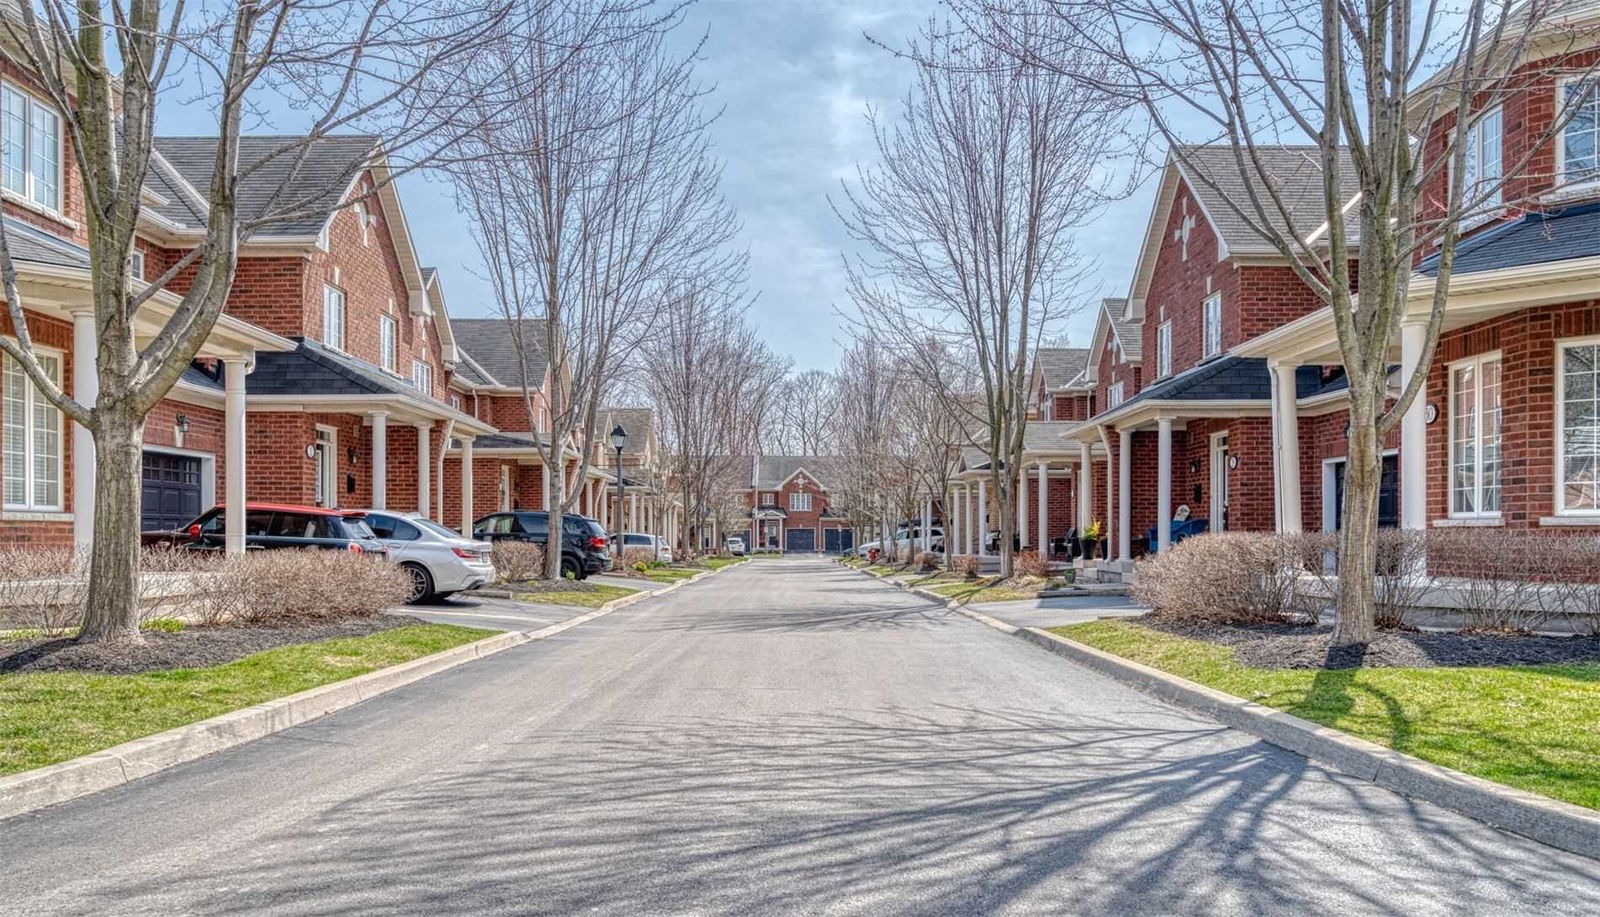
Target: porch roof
{"points": [[1534, 238], [317, 375]]}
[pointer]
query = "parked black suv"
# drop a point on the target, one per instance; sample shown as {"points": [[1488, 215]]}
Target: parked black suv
{"points": [[276, 525], [583, 540]]}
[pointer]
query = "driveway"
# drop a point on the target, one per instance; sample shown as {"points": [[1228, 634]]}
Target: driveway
{"points": [[784, 738]]}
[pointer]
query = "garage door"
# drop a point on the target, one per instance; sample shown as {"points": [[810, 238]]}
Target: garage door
{"points": [[839, 541], [170, 495], [800, 541]]}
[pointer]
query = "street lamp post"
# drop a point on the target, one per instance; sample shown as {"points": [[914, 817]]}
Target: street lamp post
{"points": [[619, 441]]}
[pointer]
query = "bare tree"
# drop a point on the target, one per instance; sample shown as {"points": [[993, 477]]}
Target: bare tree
{"points": [[1346, 78], [604, 198], [711, 379], [341, 68], [966, 228], [804, 422]]}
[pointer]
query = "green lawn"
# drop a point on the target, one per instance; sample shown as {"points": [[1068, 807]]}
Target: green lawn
{"points": [[1532, 727], [988, 589], [593, 597], [717, 563], [48, 717], [670, 575]]}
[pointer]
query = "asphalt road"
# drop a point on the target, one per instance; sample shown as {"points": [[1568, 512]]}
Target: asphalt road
{"points": [[785, 738]]}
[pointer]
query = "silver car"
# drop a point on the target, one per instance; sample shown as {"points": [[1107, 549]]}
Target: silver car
{"points": [[439, 561], [654, 543]]}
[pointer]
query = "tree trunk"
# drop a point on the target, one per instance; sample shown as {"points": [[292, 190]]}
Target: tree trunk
{"points": [[1354, 620], [558, 499], [111, 611]]}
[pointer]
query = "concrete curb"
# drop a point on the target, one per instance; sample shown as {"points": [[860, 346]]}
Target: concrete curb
{"points": [[120, 764], [1549, 821]]}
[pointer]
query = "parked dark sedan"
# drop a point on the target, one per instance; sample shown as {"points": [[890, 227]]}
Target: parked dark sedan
{"points": [[277, 525], [584, 544]]}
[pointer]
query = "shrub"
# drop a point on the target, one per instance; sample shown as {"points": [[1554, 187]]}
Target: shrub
{"points": [[639, 558], [1573, 595], [1400, 574], [282, 587], [517, 561], [965, 564], [41, 588], [1029, 563], [1494, 573], [927, 560], [1234, 577]]}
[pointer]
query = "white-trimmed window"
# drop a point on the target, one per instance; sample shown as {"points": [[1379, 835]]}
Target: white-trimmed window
{"points": [[422, 376], [1164, 350], [387, 330], [1481, 167], [30, 148], [1114, 395], [1580, 140], [136, 264], [1578, 426], [333, 316], [800, 503], [1213, 324], [30, 431], [1475, 436]]}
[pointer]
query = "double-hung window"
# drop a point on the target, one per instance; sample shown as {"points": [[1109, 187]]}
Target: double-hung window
{"points": [[800, 503], [30, 148], [1164, 350], [31, 434], [422, 376], [1213, 324], [1480, 178], [333, 317], [386, 342], [1580, 138], [1578, 419], [1114, 395], [136, 264], [1475, 437]]}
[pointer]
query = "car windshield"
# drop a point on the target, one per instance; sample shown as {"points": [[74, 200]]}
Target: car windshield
{"points": [[432, 526]]}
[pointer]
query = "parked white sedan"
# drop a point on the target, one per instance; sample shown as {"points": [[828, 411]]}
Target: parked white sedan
{"points": [[635, 540], [439, 561]]}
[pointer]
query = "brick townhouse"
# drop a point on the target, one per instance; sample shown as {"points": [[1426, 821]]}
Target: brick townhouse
{"points": [[789, 504], [335, 376], [1216, 384]]}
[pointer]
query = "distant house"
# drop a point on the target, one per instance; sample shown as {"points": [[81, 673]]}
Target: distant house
{"points": [[790, 508]]}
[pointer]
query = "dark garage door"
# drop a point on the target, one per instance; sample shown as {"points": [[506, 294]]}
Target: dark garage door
{"points": [[800, 541], [170, 495], [839, 541]]}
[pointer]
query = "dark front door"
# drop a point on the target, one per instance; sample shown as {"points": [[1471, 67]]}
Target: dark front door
{"points": [[1388, 493], [834, 541], [170, 492], [800, 541]]}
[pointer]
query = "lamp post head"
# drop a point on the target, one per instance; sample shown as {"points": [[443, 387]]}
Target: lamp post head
{"points": [[619, 438]]}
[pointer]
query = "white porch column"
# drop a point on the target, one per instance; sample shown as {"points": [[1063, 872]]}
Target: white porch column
{"points": [[1085, 486], [1023, 538], [85, 390], [466, 486], [1044, 508], [424, 467], [983, 518], [1164, 484], [1124, 494], [380, 459], [968, 527], [1413, 432], [233, 449], [1286, 433]]}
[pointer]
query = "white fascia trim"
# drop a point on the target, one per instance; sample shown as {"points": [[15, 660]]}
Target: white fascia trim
{"points": [[198, 395], [1223, 251], [190, 193]]}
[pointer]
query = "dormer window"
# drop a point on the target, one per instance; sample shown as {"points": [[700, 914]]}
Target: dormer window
{"points": [[30, 148], [1580, 140], [1480, 177]]}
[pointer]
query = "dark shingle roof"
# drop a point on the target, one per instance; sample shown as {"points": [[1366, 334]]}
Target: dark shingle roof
{"points": [[1535, 238], [773, 470], [469, 370], [30, 244], [309, 180], [198, 375], [489, 343], [508, 441], [1061, 365], [312, 369], [1223, 379], [1293, 171]]}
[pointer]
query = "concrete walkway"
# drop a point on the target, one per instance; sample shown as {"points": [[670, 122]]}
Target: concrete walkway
{"points": [[785, 738]]}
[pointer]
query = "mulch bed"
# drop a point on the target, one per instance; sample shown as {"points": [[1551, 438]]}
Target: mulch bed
{"points": [[190, 648], [1303, 646]]}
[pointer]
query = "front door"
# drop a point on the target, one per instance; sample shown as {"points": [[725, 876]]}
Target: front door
{"points": [[1219, 483], [169, 493], [325, 463], [1388, 493]]}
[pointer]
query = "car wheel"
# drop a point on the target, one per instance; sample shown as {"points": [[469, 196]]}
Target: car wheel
{"points": [[421, 583], [571, 569]]}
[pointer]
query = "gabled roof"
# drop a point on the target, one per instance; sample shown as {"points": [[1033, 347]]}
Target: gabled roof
{"points": [[639, 423], [312, 179], [770, 472], [1110, 326], [1061, 366], [488, 343], [314, 369], [1534, 238]]}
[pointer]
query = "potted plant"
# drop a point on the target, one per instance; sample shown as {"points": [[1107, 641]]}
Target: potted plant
{"points": [[1091, 537]]}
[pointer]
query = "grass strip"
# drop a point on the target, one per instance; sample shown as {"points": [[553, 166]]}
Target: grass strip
{"points": [[49, 717], [592, 597], [1536, 728]]}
